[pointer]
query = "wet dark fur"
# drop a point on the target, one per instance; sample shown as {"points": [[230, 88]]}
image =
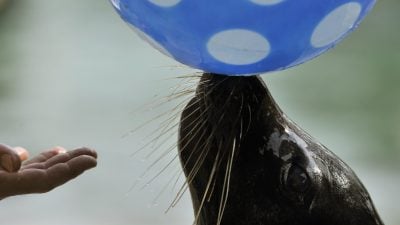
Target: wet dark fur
{"points": [[247, 164]]}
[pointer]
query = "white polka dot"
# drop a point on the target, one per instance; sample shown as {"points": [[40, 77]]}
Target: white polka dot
{"points": [[115, 3], [238, 47], [165, 3], [266, 2], [336, 24], [150, 40]]}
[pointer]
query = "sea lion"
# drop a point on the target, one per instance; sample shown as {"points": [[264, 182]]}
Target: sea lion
{"points": [[246, 163]]}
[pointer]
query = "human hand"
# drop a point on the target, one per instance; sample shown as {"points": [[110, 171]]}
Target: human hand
{"points": [[42, 173]]}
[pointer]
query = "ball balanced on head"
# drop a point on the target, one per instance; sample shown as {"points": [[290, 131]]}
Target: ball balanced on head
{"points": [[243, 37]]}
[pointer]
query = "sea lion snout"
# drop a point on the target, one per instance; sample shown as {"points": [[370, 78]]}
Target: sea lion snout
{"points": [[246, 163]]}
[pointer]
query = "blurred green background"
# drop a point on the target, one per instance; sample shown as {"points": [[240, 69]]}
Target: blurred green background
{"points": [[72, 73]]}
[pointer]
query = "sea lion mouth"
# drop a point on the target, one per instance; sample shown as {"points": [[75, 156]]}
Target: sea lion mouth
{"points": [[247, 163]]}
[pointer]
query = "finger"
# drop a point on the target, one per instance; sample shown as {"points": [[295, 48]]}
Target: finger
{"points": [[61, 173], [83, 151], [44, 180], [62, 158], [59, 149], [22, 153], [41, 166], [9, 159], [44, 156]]}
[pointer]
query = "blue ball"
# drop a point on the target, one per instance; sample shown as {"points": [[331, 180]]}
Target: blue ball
{"points": [[243, 37]]}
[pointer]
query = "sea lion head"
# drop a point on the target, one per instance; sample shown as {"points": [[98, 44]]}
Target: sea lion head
{"points": [[248, 164]]}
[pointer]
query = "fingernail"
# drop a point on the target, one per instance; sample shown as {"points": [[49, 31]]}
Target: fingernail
{"points": [[59, 149], [22, 153], [6, 163]]}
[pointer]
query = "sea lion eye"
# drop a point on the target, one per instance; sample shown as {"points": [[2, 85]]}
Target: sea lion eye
{"points": [[297, 180]]}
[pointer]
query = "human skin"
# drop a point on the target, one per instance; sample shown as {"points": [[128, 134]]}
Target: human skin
{"points": [[43, 172]]}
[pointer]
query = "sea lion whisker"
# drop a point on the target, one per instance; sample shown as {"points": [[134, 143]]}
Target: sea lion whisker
{"points": [[197, 130], [165, 187], [169, 149], [177, 179], [183, 76], [160, 101], [188, 116], [160, 115], [184, 85], [214, 87], [200, 161], [177, 198], [180, 87], [188, 180], [218, 167], [188, 76], [178, 94], [195, 133], [174, 96], [186, 80], [250, 119], [196, 74], [186, 91], [197, 165], [161, 171], [212, 174], [156, 138], [225, 188], [203, 154], [193, 172], [191, 114], [148, 169], [190, 133], [172, 147], [146, 145], [228, 169], [212, 188], [184, 165], [166, 129], [179, 66], [222, 116], [217, 162], [165, 153], [197, 125]]}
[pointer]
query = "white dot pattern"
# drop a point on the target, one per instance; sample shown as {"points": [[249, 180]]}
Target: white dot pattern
{"points": [[336, 24], [243, 37], [238, 47], [164, 3], [266, 2]]}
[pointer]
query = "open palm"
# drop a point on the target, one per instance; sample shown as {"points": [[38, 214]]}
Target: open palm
{"points": [[43, 172]]}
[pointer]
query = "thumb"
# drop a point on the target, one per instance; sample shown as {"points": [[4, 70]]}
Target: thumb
{"points": [[9, 159]]}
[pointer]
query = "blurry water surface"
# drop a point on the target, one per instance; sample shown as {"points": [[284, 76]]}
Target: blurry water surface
{"points": [[72, 73]]}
